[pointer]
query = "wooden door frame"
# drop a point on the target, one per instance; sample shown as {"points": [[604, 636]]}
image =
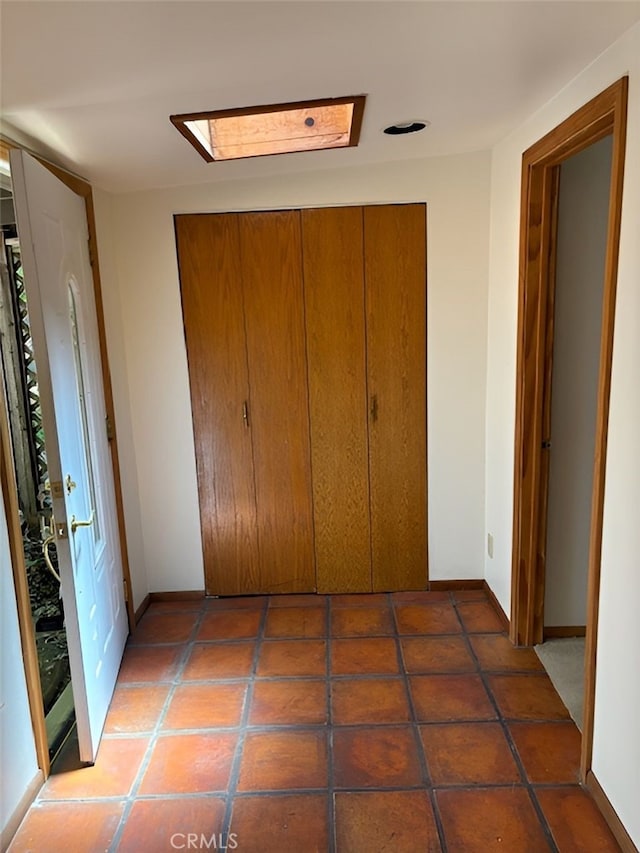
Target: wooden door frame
{"points": [[604, 115], [9, 488]]}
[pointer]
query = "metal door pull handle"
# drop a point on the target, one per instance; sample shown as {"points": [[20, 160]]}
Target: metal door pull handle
{"points": [[75, 524]]}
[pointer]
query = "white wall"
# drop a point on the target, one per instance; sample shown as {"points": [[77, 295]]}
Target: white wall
{"points": [[17, 748], [157, 441], [121, 400], [616, 757], [585, 180]]}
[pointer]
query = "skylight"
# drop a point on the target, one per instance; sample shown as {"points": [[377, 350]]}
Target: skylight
{"points": [[273, 129]]}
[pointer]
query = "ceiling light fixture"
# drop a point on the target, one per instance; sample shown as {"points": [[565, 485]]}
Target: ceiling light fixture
{"points": [[273, 129], [404, 127]]}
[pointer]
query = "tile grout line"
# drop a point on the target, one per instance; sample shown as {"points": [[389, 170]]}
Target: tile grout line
{"points": [[234, 773], [331, 803], [415, 726], [132, 797], [502, 720]]}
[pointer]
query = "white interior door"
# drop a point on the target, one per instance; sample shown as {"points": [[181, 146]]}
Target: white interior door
{"points": [[52, 228]]}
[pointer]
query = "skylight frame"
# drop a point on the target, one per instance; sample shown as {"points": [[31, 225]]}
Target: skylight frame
{"points": [[181, 121]]}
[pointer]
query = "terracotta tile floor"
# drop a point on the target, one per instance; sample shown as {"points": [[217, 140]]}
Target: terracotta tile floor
{"points": [[349, 723]]}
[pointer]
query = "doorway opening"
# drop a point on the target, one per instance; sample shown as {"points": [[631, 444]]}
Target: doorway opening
{"points": [[21, 390], [571, 402], [604, 116]]}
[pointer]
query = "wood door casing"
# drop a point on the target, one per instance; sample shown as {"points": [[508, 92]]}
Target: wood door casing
{"points": [[271, 271], [334, 299], [209, 253], [395, 277]]}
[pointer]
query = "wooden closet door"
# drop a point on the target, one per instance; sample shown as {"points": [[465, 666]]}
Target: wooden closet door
{"points": [[271, 266], [395, 276], [208, 256], [334, 300]]}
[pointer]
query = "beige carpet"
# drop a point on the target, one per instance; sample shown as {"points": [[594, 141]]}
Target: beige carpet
{"points": [[564, 662]]}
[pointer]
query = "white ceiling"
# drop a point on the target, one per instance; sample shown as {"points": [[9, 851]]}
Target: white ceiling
{"points": [[95, 82]]}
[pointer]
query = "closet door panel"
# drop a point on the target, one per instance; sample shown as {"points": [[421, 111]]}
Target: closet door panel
{"points": [[208, 255], [271, 262], [334, 301], [395, 275]]}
